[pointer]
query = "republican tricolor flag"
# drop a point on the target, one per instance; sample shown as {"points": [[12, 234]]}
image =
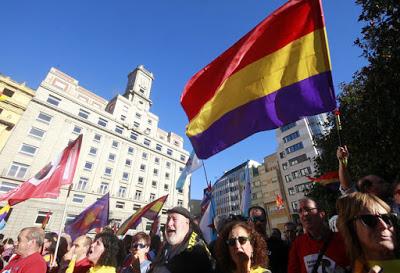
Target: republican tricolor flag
{"points": [[277, 73], [49, 180]]}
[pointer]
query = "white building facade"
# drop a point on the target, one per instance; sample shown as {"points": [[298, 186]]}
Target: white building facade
{"points": [[123, 151], [296, 153]]}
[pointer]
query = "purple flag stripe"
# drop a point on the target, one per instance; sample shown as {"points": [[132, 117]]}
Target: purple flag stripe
{"points": [[308, 97]]}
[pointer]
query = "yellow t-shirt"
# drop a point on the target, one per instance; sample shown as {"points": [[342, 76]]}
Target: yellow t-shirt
{"points": [[260, 269], [102, 269]]}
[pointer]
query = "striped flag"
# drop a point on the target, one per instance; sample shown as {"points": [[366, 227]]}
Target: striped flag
{"points": [[276, 74], [206, 224], [326, 178], [192, 164], [4, 213], [150, 211]]}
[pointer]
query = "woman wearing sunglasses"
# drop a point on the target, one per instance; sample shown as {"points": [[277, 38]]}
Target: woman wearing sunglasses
{"points": [[139, 262], [240, 249], [369, 231]]}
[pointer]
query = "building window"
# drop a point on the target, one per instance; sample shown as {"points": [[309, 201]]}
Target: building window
{"points": [[152, 197], [158, 147], [125, 176], [77, 130], [166, 187], [288, 126], [288, 178], [111, 157], [8, 92], [93, 151], [69, 218], [133, 136], [180, 202], [146, 142], [298, 159], [138, 195], [78, 198], [144, 156], [130, 150], [123, 118], [119, 130], [183, 158], [167, 176], [83, 114], [155, 172], [157, 160], [142, 167], [122, 192], [115, 144], [169, 152], [138, 115], [88, 166], [108, 171], [82, 183], [53, 100], [120, 205], [290, 137], [136, 207], [17, 170], [43, 117], [294, 148], [282, 155], [128, 162], [291, 191], [36, 132], [103, 188], [140, 180], [284, 166], [168, 164], [163, 211], [7, 186], [305, 171], [97, 137], [41, 216], [154, 184], [295, 205], [28, 149], [102, 122], [136, 124]]}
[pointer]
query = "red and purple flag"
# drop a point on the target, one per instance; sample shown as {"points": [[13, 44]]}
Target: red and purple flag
{"points": [[94, 216], [150, 211], [49, 180], [326, 178], [276, 74]]}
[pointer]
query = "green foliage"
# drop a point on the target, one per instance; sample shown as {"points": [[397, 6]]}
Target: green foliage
{"points": [[370, 103], [326, 197]]}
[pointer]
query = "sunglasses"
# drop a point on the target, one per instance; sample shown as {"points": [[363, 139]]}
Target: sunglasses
{"points": [[139, 245], [242, 240], [257, 219], [372, 220]]}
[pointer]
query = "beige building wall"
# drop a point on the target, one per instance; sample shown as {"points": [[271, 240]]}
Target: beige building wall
{"points": [[123, 151], [266, 186], [13, 102]]}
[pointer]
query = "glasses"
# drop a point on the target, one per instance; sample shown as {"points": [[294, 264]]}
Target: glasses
{"points": [[308, 210], [138, 246], [372, 220], [257, 219], [242, 240]]}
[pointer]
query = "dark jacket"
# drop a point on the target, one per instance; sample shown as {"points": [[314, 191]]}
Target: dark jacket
{"points": [[191, 256]]}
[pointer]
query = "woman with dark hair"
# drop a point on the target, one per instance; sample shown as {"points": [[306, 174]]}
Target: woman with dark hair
{"points": [[369, 232], [103, 253], [240, 249], [8, 249]]}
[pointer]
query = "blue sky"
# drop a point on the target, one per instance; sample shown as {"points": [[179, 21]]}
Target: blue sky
{"points": [[100, 42]]}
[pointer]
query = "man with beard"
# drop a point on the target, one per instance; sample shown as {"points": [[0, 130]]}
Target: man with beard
{"points": [[184, 250], [318, 249], [28, 259]]}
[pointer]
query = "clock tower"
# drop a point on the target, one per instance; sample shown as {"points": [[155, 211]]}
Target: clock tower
{"points": [[139, 87]]}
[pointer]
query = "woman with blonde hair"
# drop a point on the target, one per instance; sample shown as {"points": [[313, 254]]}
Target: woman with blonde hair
{"points": [[369, 231]]}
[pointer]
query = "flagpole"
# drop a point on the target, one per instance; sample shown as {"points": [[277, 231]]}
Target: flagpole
{"points": [[205, 173], [53, 263]]}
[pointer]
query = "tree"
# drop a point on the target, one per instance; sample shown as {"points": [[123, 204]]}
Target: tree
{"points": [[370, 103]]}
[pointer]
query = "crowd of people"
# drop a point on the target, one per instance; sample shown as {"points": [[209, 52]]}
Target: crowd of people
{"points": [[364, 239]]}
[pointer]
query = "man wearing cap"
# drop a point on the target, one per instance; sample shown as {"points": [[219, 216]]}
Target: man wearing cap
{"points": [[184, 250]]}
